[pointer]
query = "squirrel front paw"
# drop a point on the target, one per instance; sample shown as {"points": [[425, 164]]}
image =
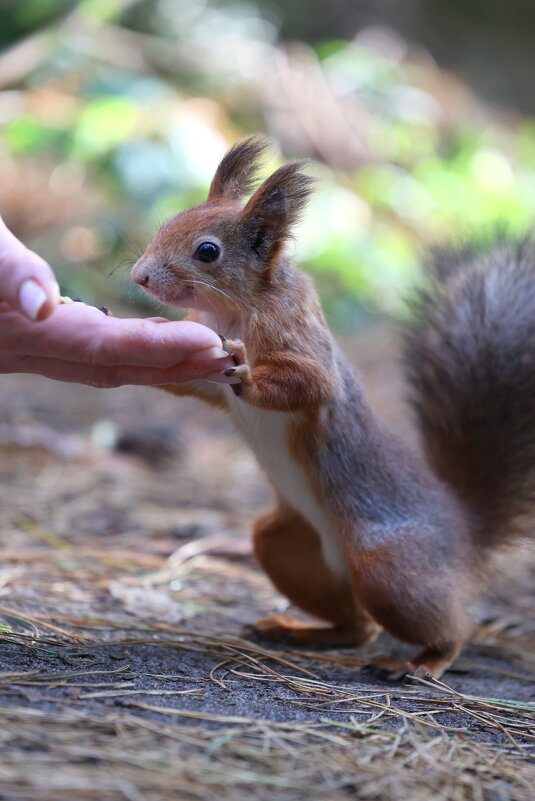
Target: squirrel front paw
{"points": [[242, 371], [236, 349]]}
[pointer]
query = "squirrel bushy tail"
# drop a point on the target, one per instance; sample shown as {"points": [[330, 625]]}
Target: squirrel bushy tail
{"points": [[470, 358]]}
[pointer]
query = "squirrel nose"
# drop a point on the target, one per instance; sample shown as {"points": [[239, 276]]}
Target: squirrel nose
{"points": [[141, 271]]}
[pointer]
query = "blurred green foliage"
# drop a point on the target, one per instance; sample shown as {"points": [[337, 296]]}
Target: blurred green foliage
{"points": [[119, 112]]}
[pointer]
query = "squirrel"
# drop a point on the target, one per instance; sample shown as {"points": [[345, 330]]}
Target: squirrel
{"points": [[365, 534]]}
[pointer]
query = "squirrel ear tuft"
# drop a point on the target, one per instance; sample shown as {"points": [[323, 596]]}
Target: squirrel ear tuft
{"points": [[274, 208], [235, 175]]}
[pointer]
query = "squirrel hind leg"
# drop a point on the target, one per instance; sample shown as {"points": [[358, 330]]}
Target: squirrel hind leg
{"points": [[289, 551], [418, 601]]}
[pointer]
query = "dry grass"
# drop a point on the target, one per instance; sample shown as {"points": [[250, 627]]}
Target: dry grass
{"points": [[122, 756], [389, 743], [124, 731], [123, 675]]}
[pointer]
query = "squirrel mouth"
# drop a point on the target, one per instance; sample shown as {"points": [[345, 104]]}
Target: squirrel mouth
{"points": [[183, 297]]}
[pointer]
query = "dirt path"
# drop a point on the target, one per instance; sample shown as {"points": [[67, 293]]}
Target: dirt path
{"points": [[124, 590]]}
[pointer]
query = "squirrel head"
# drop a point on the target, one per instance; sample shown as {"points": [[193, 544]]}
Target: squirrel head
{"points": [[222, 254]]}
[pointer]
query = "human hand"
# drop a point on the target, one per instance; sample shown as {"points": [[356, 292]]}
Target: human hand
{"points": [[78, 343]]}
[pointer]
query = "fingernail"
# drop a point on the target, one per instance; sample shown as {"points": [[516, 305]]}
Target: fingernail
{"points": [[207, 354], [32, 298]]}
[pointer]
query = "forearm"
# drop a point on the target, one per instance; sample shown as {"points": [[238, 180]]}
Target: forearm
{"points": [[285, 385]]}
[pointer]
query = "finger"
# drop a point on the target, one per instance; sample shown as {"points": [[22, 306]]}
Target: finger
{"points": [[112, 377], [27, 282], [80, 333]]}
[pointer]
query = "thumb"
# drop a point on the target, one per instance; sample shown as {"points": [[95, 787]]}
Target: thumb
{"points": [[27, 282]]}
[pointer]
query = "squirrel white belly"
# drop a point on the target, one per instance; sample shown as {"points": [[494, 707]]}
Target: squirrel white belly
{"points": [[267, 434]]}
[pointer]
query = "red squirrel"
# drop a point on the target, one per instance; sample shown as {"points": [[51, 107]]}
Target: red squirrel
{"points": [[364, 534]]}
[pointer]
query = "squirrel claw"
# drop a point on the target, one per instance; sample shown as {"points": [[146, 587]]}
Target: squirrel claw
{"points": [[272, 627], [257, 634], [242, 371], [390, 670], [234, 348]]}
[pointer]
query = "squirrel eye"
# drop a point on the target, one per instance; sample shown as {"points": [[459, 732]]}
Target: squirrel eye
{"points": [[207, 252]]}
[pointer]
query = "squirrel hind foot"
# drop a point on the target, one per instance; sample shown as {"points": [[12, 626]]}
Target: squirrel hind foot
{"points": [[288, 630], [394, 670], [429, 664]]}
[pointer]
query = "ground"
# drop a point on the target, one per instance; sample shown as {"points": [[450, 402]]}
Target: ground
{"points": [[126, 580]]}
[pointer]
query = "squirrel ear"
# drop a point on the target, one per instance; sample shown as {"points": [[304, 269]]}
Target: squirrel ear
{"points": [[235, 175], [274, 208]]}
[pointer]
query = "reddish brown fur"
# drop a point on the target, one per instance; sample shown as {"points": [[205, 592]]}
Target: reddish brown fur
{"points": [[289, 551], [286, 382], [413, 559], [235, 175]]}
